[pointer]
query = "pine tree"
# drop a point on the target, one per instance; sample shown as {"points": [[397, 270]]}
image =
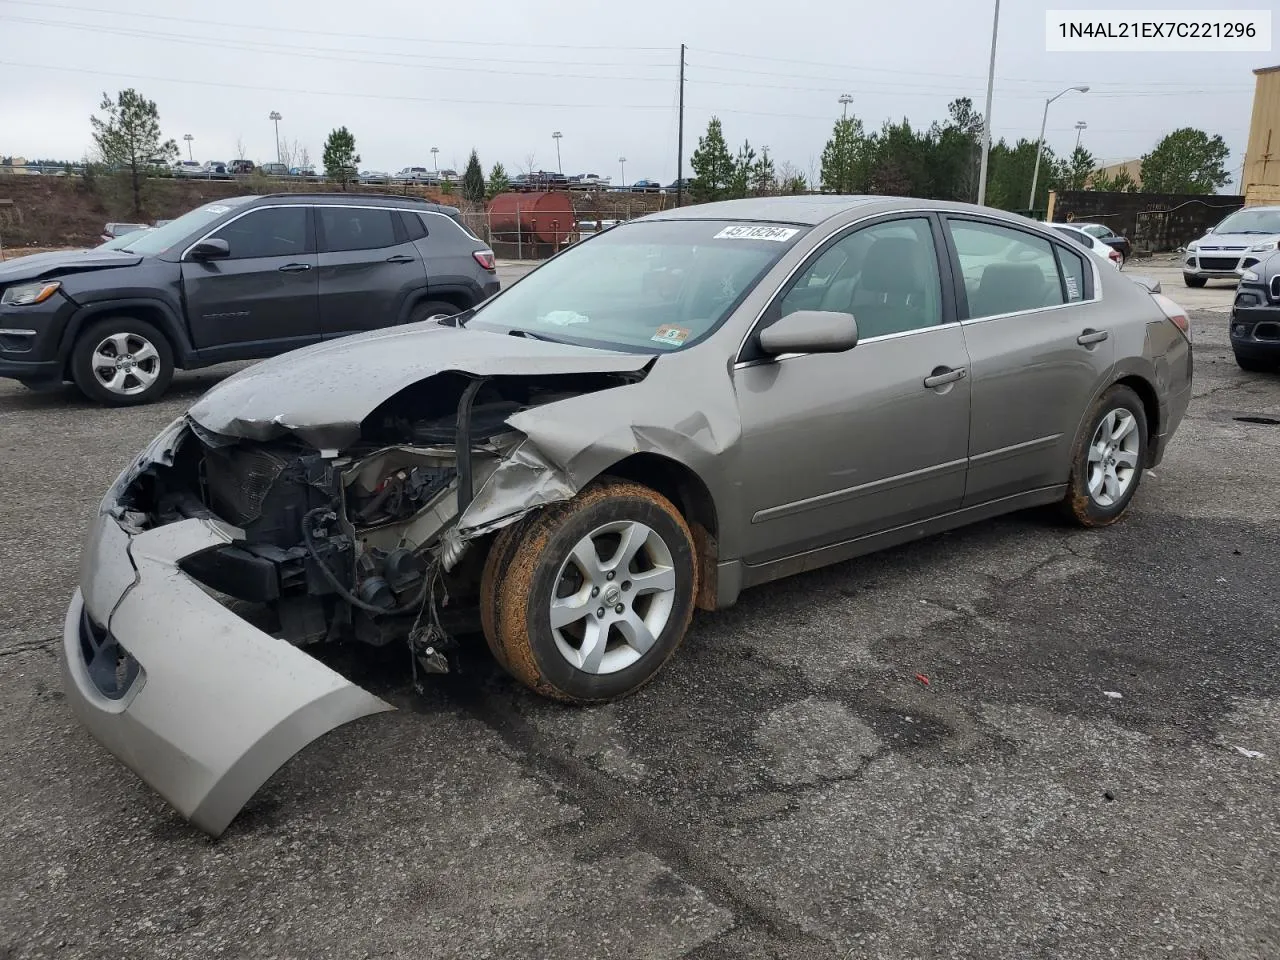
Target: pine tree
{"points": [[129, 137], [498, 181], [473, 180], [712, 165]]}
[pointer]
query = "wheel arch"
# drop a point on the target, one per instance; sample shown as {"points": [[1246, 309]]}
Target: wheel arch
{"points": [[458, 296], [153, 312], [1150, 407], [691, 496]]}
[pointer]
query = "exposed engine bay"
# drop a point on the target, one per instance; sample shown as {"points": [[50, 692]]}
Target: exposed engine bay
{"points": [[354, 543]]}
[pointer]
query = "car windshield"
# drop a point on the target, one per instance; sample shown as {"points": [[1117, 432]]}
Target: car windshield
{"points": [[646, 286], [151, 242], [1250, 221], [120, 242]]}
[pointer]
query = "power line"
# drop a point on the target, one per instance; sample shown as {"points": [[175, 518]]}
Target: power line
{"points": [[331, 54], [401, 38], [333, 93]]}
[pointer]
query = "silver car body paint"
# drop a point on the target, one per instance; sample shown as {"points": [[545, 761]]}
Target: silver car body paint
{"points": [[800, 469]]}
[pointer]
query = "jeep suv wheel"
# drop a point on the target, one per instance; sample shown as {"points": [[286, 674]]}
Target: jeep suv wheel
{"points": [[122, 362]]}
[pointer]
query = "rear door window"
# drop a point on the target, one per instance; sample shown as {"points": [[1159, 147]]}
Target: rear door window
{"points": [[355, 228], [1005, 270]]}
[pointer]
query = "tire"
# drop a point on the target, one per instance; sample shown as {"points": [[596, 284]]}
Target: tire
{"points": [[1191, 281], [432, 309], [533, 562], [1253, 365], [1093, 500], [148, 348]]}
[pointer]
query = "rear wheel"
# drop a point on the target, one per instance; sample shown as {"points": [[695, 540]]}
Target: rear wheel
{"points": [[584, 601], [1107, 466], [122, 362], [1191, 281]]}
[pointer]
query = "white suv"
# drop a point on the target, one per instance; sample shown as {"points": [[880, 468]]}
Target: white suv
{"points": [[1233, 246]]}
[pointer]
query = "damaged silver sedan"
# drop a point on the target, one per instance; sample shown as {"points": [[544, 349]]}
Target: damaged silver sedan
{"points": [[664, 414]]}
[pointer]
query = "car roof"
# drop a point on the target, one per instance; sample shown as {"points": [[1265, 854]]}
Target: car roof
{"points": [[355, 200], [813, 209]]}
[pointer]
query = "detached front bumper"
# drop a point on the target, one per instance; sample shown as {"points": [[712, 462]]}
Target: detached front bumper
{"points": [[199, 703]]}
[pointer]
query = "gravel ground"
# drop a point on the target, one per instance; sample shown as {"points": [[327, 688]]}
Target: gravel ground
{"points": [[787, 788]]}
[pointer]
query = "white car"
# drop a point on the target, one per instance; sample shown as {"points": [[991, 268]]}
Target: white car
{"points": [[1241, 241], [1090, 243]]}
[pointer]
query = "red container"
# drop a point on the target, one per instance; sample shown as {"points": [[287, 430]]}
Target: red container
{"points": [[538, 217]]}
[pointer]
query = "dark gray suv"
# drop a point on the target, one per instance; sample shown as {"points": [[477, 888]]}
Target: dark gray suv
{"points": [[238, 279]]}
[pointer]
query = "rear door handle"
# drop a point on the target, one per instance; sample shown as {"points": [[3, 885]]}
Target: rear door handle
{"points": [[400, 258], [941, 376], [1092, 336], [295, 267]]}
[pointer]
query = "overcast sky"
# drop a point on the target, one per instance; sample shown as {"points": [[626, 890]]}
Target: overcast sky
{"points": [[501, 76]]}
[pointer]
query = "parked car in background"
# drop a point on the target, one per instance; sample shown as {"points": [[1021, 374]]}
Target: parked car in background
{"points": [[1238, 243], [1091, 243], [1107, 236], [214, 169], [374, 176], [235, 279], [188, 168], [113, 230], [1255, 316], [646, 186], [241, 167], [414, 173], [306, 170], [274, 170], [694, 403]]}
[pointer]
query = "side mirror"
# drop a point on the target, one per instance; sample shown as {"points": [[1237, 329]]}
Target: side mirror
{"points": [[210, 250], [810, 331]]}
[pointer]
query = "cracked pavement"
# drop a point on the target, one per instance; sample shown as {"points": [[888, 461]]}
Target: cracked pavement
{"points": [[786, 788]]}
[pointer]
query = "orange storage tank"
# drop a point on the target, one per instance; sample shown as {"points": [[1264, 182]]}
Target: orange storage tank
{"points": [[539, 217]]}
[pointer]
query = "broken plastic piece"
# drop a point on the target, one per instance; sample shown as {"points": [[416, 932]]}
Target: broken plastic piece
{"points": [[922, 678], [1251, 754]]}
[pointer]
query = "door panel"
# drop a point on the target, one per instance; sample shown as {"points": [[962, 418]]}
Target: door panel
{"points": [[262, 299], [836, 446], [368, 269], [1032, 376]]}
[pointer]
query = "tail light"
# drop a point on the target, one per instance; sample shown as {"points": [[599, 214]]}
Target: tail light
{"points": [[486, 259], [1115, 256], [1177, 316]]}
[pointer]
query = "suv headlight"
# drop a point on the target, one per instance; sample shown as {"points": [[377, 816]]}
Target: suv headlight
{"points": [[27, 294], [1193, 247], [1250, 276], [1269, 245]]}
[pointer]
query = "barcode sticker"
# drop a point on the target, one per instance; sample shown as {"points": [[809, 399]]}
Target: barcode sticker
{"points": [[749, 232]]}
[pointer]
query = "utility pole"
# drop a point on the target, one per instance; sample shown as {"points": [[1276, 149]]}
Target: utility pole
{"points": [[986, 121], [1035, 171], [556, 137], [1080, 125], [622, 162], [275, 117], [680, 138], [844, 102], [188, 137]]}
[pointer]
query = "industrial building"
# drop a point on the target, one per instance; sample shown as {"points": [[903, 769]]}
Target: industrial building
{"points": [[1261, 177]]}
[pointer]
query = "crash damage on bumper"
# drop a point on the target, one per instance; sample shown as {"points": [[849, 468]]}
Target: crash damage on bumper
{"points": [[237, 541]]}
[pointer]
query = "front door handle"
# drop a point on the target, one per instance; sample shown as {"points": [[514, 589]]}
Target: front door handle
{"points": [[400, 258], [941, 376], [1091, 336], [295, 267]]}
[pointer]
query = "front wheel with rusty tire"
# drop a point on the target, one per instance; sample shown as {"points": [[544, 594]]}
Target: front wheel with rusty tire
{"points": [[585, 600], [1107, 465]]}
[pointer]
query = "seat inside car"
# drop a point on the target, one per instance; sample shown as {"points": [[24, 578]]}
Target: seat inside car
{"points": [[889, 295], [1008, 288]]}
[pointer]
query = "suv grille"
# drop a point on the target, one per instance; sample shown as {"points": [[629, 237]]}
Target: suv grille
{"points": [[1218, 263]]}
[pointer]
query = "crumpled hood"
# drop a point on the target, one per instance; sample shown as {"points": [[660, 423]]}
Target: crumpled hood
{"points": [[36, 266], [323, 392]]}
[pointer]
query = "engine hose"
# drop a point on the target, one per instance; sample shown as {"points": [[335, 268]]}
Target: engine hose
{"points": [[342, 591]]}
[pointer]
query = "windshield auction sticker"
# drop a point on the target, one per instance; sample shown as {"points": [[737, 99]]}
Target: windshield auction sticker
{"points": [[671, 335], [749, 232], [1157, 31]]}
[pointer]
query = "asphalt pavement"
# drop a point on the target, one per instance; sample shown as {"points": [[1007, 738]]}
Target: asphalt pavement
{"points": [[1091, 770]]}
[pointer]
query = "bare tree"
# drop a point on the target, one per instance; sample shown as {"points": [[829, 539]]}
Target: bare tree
{"points": [[815, 177], [304, 157], [239, 148], [530, 159], [289, 152]]}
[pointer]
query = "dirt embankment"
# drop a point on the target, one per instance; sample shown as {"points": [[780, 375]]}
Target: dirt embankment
{"points": [[49, 212]]}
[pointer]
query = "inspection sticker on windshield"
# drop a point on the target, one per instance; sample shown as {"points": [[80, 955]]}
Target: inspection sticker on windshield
{"points": [[674, 336], [779, 234]]}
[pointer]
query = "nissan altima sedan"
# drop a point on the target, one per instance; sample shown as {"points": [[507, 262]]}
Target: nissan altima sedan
{"points": [[663, 415]]}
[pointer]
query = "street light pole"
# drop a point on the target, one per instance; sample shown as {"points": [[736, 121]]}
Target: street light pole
{"points": [[1035, 173], [435, 160], [1080, 126], [844, 102], [556, 137], [986, 121], [623, 163], [188, 137], [275, 117]]}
